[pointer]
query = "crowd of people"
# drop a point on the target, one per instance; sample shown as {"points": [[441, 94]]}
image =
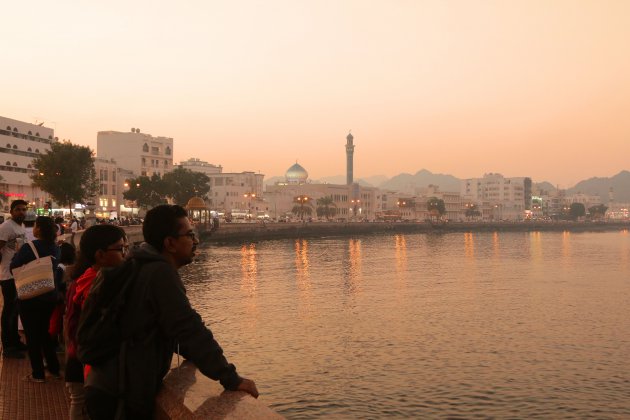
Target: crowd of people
{"points": [[155, 321]]}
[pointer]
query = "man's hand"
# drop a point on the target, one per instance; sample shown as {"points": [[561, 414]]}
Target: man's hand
{"points": [[248, 386]]}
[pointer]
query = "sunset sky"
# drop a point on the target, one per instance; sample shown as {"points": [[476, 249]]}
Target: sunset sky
{"points": [[523, 88]]}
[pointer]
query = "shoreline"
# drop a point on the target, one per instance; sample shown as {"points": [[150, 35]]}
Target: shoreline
{"points": [[239, 232]]}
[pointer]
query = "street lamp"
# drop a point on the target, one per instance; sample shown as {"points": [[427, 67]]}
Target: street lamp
{"points": [[249, 196], [355, 204], [302, 200]]}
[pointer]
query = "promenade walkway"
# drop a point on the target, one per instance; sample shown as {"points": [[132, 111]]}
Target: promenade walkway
{"points": [[20, 400]]}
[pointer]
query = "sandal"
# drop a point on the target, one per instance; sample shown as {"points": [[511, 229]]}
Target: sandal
{"points": [[30, 378]]}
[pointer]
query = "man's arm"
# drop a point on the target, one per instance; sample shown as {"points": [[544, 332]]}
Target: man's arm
{"points": [[179, 321]]}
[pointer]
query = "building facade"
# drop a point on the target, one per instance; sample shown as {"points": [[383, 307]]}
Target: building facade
{"points": [[497, 197], [236, 192], [142, 154], [197, 165], [20, 144]]}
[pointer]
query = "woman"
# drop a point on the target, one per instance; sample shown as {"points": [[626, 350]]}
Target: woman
{"points": [[100, 246], [35, 312]]}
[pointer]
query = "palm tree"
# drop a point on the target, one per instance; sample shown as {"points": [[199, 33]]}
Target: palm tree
{"points": [[436, 207], [302, 206], [326, 207]]}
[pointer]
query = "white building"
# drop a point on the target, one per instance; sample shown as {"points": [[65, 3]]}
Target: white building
{"points": [[497, 197], [352, 202], [236, 191], [197, 165], [20, 143], [141, 153]]}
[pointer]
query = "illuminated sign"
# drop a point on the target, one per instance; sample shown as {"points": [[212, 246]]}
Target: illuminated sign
{"points": [[10, 194]]}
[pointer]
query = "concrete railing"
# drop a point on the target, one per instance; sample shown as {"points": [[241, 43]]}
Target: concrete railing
{"points": [[188, 394]]}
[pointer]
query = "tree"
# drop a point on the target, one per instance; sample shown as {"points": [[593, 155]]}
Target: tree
{"points": [[67, 173], [471, 211], [326, 207], [146, 192], [436, 207], [183, 184], [597, 212], [577, 210], [303, 206]]}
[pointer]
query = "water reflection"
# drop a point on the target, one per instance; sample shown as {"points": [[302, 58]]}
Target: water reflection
{"points": [[249, 269], [302, 275], [566, 245], [535, 239], [401, 254], [352, 267], [495, 244], [469, 246]]}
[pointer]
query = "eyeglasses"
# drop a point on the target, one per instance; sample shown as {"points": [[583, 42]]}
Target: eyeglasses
{"points": [[192, 235], [123, 249]]}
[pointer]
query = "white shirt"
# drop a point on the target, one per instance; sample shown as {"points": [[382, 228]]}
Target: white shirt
{"points": [[74, 227], [14, 235]]}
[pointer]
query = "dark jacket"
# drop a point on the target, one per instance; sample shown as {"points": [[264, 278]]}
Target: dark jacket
{"points": [[157, 317]]}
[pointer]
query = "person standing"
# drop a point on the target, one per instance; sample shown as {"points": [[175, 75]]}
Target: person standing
{"points": [[12, 237], [74, 228], [35, 312], [158, 319]]}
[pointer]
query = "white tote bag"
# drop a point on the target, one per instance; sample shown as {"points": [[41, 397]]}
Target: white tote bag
{"points": [[34, 278]]}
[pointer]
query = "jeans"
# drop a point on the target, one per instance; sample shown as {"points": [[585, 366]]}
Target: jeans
{"points": [[9, 321], [35, 316], [77, 401]]}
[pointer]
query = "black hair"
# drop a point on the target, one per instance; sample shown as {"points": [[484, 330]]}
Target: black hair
{"points": [[68, 253], [95, 238], [47, 228], [16, 203], [161, 222]]}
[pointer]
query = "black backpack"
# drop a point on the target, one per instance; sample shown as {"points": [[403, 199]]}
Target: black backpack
{"points": [[99, 335]]}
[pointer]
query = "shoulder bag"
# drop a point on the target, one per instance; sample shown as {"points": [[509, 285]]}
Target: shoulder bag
{"points": [[34, 278]]}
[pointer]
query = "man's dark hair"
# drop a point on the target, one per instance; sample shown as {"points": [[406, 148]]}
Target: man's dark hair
{"points": [[16, 203], [68, 253], [47, 228], [161, 222]]}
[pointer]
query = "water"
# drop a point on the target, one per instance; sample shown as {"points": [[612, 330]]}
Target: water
{"points": [[503, 325]]}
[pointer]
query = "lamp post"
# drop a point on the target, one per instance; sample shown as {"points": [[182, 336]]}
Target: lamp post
{"points": [[355, 203], [249, 196], [302, 200]]}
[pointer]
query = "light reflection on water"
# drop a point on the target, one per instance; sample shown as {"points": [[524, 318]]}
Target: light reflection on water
{"points": [[508, 325]]}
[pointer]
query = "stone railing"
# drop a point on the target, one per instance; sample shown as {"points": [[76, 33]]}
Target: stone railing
{"points": [[188, 394]]}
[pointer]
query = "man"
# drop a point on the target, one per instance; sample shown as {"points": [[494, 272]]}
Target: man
{"points": [[12, 236], [74, 228], [159, 319]]}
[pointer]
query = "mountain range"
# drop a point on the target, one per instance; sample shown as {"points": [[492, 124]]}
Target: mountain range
{"points": [[408, 183]]}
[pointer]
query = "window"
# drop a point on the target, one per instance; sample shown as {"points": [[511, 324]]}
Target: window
{"points": [[14, 163], [144, 162], [155, 150], [105, 171], [114, 176], [145, 147], [8, 163], [29, 150], [113, 202], [36, 150], [8, 145], [30, 133], [36, 134], [114, 190], [168, 151]]}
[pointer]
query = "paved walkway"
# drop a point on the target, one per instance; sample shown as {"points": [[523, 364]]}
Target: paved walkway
{"points": [[20, 400]]}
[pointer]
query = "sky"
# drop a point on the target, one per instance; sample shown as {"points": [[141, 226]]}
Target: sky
{"points": [[522, 88]]}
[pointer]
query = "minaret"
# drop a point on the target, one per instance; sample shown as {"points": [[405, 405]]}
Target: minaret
{"points": [[349, 159]]}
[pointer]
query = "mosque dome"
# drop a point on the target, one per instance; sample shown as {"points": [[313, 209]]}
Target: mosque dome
{"points": [[296, 174], [196, 203]]}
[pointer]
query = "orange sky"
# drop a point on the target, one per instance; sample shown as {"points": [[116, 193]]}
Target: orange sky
{"points": [[531, 88]]}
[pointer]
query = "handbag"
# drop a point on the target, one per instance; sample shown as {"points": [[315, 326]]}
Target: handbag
{"points": [[34, 278]]}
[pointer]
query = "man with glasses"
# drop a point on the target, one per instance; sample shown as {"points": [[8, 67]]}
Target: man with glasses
{"points": [[160, 320]]}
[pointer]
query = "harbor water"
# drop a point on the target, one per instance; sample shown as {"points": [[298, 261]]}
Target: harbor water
{"points": [[458, 325]]}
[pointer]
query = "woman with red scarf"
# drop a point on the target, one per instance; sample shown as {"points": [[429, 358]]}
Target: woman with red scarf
{"points": [[100, 246]]}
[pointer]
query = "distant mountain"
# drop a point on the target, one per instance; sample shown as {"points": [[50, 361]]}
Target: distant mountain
{"points": [[543, 187], [407, 183], [620, 184]]}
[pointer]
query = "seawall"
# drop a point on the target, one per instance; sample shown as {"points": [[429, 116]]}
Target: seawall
{"points": [[228, 232]]}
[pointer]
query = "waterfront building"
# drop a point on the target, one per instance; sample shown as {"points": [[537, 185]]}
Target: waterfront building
{"points": [[236, 192], [110, 194], [141, 153], [197, 165], [497, 197], [20, 144], [352, 202]]}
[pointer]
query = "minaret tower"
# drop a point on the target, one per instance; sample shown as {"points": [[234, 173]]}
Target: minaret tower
{"points": [[349, 159]]}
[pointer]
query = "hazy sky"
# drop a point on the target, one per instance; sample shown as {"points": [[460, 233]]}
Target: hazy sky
{"points": [[524, 88]]}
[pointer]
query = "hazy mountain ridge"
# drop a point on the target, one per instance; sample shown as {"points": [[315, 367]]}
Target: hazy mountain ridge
{"points": [[407, 184]]}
